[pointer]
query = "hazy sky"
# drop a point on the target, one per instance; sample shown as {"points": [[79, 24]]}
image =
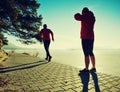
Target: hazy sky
{"points": [[58, 15]]}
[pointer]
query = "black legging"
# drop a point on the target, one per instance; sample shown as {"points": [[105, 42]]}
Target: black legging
{"points": [[87, 46], [46, 46]]}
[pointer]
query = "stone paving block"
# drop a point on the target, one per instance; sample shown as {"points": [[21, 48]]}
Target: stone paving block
{"points": [[55, 77], [102, 87], [67, 83], [35, 85], [45, 87], [77, 81], [33, 89], [90, 86], [118, 86], [117, 78], [114, 89], [109, 85], [79, 89], [58, 81], [57, 85], [45, 90], [68, 87], [69, 90], [104, 81], [77, 85], [106, 90], [10, 90], [57, 89], [92, 90]]}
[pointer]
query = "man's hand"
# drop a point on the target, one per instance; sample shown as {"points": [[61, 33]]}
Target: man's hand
{"points": [[52, 39]]}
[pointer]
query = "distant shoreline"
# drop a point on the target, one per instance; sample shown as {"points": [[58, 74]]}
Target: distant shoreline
{"points": [[107, 61]]}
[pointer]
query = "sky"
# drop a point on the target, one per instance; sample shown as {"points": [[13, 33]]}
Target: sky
{"points": [[59, 16]]}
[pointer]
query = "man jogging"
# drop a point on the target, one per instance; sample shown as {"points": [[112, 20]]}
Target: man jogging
{"points": [[45, 35]]}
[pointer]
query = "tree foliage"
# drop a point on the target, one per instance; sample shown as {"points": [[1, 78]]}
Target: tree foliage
{"points": [[19, 18], [4, 39]]}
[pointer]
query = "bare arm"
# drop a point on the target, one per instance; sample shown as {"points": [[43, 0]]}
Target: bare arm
{"points": [[52, 35]]}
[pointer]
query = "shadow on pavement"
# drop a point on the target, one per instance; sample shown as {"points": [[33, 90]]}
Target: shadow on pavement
{"points": [[95, 79], [22, 66], [85, 77]]}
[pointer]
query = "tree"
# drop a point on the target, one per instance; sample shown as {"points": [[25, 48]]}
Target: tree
{"points": [[19, 18], [4, 39]]}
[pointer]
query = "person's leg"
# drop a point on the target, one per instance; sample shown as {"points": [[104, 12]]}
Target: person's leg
{"points": [[92, 57], [93, 61], [49, 56], [87, 61], [86, 55], [46, 45], [48, 53], [93, 69]]}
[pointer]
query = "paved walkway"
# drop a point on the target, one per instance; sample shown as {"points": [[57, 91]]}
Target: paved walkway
{"points": [[34, 75]]}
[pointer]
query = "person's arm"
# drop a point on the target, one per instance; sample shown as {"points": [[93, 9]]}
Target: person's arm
{"points": [[78, 17], [41, 34], [52, 34]]}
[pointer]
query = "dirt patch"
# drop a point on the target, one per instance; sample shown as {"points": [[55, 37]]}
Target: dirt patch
{"points": [[4, 81]]}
